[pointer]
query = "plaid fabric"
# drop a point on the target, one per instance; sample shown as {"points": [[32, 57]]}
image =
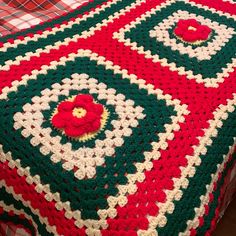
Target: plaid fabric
{"points": [[16, 15], [30, 6]]}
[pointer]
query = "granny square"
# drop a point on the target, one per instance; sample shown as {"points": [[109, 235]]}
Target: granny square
{"points": [[153, 34]]}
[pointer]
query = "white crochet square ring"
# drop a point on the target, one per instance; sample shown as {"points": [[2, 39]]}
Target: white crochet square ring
{"points": [[223, 34], [84, 159]]}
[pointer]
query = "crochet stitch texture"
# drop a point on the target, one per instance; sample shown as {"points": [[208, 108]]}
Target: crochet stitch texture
{"points": [[119, 119]]}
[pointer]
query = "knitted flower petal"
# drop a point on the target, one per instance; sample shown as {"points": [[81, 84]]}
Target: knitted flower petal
{"points": [[193, 23], [179, 31], [67, 116], [205, 32], [189, 36], [96, 108], [83, 99], [90, 116], [78, 122], [96, 124], [182, 23], [58, 122], [74, 131], [65, 106]]}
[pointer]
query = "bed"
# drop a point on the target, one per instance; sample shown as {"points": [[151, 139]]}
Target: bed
{"points": [[117, 116]]}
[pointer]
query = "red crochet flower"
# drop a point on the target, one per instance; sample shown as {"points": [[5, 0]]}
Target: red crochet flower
{"points": [[79, 116], [191, 31]]}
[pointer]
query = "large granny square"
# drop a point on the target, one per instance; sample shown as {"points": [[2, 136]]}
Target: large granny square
{"points": [[153, 35]]}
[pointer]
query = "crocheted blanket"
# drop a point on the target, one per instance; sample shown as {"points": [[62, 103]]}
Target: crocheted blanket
{"points": [[119, 119]]}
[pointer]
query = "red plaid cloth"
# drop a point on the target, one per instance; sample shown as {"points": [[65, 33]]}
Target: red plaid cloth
{"points": [[21, 14]]}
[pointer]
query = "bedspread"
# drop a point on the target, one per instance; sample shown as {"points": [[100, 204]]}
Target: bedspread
{"points": [[119, 118]]}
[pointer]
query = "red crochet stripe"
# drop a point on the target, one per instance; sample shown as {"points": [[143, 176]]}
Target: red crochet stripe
{"points": [[47, 209]]}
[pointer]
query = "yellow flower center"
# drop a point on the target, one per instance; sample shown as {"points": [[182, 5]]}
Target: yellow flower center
{"points": [[192, 28], [79, 112]]}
